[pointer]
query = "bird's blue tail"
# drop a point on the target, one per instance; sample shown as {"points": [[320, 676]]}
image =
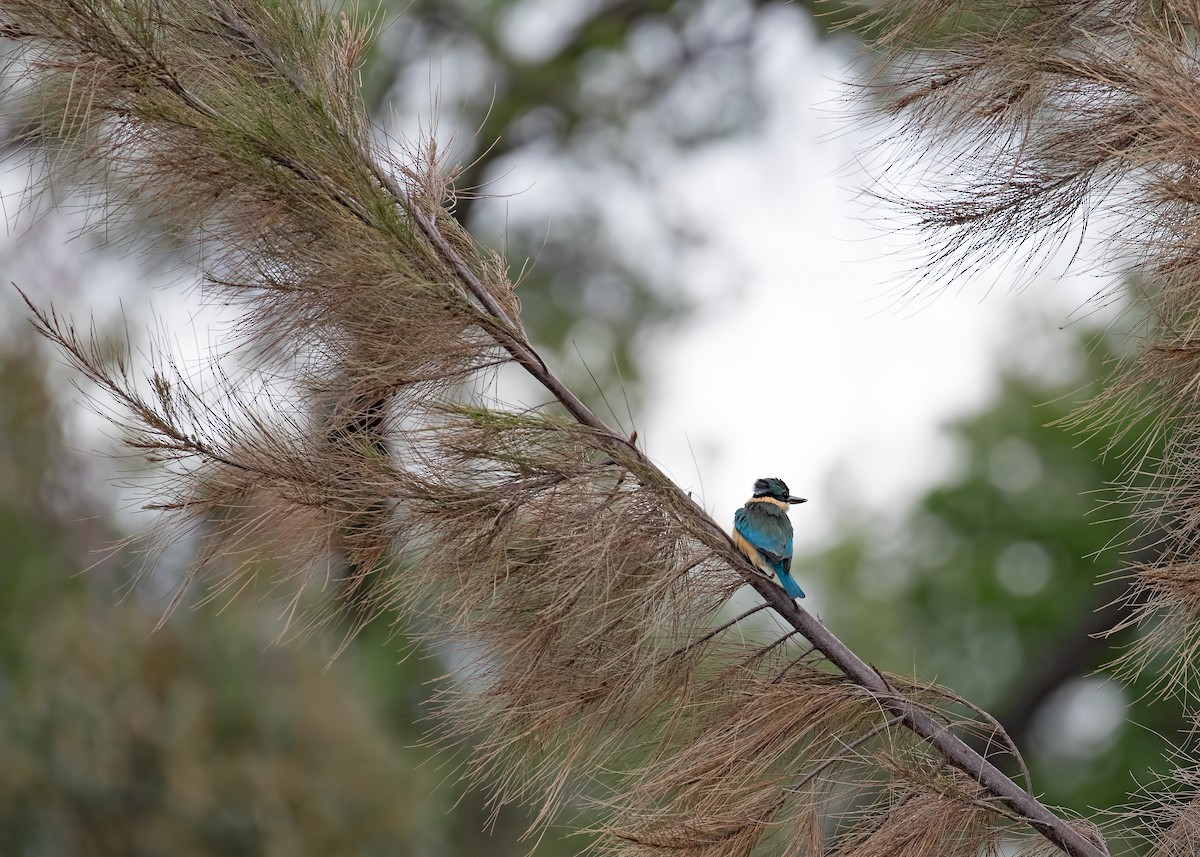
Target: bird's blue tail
{"points": [[790, 586]]}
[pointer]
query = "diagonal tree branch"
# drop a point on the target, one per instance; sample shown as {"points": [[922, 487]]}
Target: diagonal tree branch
{"points": [[953, 749]]}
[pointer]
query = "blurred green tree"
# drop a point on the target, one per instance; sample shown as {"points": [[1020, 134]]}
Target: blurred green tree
{"points": [[989, 583], [203, 737]]}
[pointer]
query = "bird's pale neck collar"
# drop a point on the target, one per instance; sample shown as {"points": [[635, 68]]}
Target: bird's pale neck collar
{"points": [[779, 503]]}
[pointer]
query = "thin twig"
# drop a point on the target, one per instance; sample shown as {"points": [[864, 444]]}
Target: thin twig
{"points": [[714, 632], [997, 729], [843, 752], [792, 665]]}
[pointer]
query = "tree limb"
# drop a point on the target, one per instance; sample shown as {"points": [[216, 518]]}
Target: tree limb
{"points": [[948, 745]]}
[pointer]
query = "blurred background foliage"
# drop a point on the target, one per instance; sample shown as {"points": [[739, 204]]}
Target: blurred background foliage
{"points": [[1001, 580], [209, 737]]}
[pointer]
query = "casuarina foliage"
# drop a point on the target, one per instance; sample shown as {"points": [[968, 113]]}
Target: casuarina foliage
{"points": [[361, 420]]}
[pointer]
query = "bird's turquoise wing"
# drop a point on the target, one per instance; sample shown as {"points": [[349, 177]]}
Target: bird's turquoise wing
{"points": [[770, 534]]}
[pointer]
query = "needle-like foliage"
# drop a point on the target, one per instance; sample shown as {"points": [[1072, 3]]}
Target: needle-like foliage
{"points": [[579, 584]]}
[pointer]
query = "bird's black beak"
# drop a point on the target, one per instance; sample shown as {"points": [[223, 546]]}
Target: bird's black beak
{"points": [[794, 500]]}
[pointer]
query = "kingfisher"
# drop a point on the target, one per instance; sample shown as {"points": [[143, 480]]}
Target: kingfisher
{"points": [[763, 532]]}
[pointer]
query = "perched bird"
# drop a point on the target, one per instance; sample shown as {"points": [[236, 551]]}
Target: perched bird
{"points": [[763, 532]]}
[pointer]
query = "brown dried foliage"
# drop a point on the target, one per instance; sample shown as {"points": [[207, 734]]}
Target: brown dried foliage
{"points": [[582, 582], [1182, 837]]}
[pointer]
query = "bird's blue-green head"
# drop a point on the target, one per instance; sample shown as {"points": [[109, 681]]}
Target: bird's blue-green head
{"points": [[776, 489]]}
